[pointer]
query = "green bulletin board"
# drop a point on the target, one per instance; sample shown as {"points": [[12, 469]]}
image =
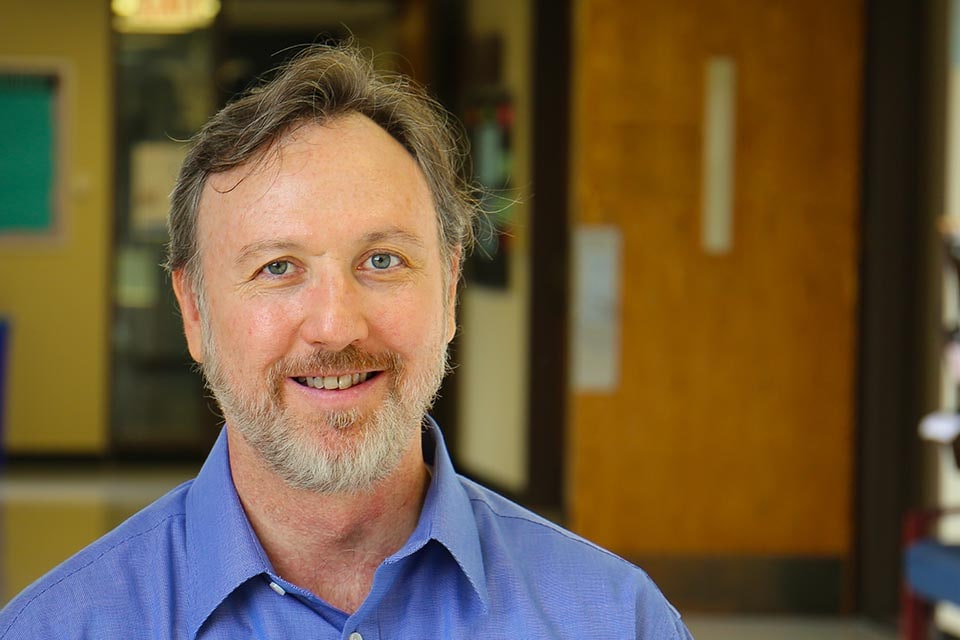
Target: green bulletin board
{"points": [[28, 153]]}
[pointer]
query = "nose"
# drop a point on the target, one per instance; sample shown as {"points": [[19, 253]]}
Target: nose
{"points": [[333, 312]]}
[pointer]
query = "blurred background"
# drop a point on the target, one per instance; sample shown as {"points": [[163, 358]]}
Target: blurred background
{"points": [[701, 329]]}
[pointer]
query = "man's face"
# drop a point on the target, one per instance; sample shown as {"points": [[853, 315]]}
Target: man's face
{"points": [[325, 315]]}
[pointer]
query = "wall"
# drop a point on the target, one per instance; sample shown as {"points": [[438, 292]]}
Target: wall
{"points": [[56, 292], [492, 378]]}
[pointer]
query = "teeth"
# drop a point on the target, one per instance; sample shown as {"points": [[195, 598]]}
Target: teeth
{"points": [[334, 382]]}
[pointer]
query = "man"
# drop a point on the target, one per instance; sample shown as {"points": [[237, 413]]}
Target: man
{"points": [[317, 231]]}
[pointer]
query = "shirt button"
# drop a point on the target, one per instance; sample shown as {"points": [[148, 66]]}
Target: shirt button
{"points": [[356, 636]]}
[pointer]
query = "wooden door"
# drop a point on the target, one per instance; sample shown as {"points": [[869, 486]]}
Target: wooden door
{"points": [[723, 458]]}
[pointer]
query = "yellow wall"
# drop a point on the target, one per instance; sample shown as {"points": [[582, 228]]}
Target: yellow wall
{"points": [[43, 531], [55, 291]]}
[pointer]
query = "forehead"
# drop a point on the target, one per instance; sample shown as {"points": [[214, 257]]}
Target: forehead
{"points": [[342, 174]]}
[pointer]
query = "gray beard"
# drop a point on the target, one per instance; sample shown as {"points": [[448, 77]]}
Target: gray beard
{"points": [[335, 451]]}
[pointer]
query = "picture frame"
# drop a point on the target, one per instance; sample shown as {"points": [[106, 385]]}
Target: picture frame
{"points": [[33, 152]]}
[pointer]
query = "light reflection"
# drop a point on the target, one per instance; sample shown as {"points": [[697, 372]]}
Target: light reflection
{"points": [[163, 16]]}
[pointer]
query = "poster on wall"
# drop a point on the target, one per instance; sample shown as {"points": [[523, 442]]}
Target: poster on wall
{"points": [[489, 122], [29, 176], [154, 168]]}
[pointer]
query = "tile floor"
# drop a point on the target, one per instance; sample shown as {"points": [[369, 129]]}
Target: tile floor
{"points": [[716, 627]]}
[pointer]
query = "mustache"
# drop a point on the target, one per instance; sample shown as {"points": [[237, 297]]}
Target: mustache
{"points": [[350, 358]]}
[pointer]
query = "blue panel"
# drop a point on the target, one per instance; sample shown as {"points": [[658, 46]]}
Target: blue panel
{"points": [[933, 570]]}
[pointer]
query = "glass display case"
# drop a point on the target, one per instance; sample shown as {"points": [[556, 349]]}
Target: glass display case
{"points": [[164, 93]]}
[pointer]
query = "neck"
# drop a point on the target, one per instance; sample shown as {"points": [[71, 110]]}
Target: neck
{"points": [[330, 544]]}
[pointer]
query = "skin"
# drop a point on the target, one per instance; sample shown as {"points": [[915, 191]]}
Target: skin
{"points": [[332, 241]]}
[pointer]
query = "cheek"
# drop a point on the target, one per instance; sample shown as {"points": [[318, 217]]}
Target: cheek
{"points": [[252, 332], [411, 325]]}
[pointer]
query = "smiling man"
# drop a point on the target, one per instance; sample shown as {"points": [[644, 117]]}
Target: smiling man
{"points": [[317, 232]]}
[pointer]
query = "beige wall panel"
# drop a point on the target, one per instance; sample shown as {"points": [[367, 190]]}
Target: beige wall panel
{"points": [[732, 428], [493, 345]]}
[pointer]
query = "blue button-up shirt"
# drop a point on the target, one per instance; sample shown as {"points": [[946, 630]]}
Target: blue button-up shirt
{"points": [[477, 566]]}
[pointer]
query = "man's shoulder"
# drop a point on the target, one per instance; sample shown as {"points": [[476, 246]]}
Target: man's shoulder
{"points": [[522, 547], [518, 525], [125, 572]]}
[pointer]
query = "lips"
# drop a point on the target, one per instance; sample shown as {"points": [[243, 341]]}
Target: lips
{"points": [[336, 370], [340, 382]]}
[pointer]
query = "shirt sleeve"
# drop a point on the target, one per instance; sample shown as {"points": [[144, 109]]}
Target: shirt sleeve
{"points": [[657, 619]]}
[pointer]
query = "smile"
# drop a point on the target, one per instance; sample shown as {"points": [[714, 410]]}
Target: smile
{"points": [[334, 382]]}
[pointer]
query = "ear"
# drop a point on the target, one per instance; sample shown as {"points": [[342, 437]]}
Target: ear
{"points": [[451, 293], [192, 327]]}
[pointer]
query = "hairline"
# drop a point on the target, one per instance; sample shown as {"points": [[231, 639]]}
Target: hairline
{"points": [[192, 268], [300, 93]]}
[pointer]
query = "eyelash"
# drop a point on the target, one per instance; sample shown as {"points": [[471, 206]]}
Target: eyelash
{"points": [[266, 268], [395, 261]]}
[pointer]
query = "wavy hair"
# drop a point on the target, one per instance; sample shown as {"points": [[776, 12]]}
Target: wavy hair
{"points": [[322, 83]]}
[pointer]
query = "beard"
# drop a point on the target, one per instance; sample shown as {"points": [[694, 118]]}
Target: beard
{"points": [[328, 451]]}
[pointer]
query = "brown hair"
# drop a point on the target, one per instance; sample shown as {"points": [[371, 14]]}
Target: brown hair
{"points": [[318, 85]]}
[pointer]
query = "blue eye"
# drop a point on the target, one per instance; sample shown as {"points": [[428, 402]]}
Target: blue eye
{"points": [[277, 267], [383, 260]]}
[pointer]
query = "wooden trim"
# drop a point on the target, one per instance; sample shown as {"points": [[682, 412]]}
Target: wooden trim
{"points": [[898, 204], [549, 253]]}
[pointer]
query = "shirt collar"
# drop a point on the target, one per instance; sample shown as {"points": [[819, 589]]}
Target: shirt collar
{"points": [[447, 515], [223, 551]]}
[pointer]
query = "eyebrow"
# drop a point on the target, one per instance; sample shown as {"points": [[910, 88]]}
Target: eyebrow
{"points": [[286, 246], [264, 246], [394, 233]]}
